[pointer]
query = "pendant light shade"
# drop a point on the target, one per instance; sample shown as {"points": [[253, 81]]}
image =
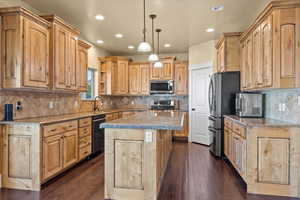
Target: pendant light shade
{"points": [[144, 46], [158, 64], [153, 57]]}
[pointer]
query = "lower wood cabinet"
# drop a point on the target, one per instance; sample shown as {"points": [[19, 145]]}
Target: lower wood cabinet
{"points": [[61, 149], [266, 157], [85, 138], [185, 132]]}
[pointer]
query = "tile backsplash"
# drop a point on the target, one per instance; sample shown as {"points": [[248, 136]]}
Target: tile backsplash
{"points": [[36, 104], [289, 97]]}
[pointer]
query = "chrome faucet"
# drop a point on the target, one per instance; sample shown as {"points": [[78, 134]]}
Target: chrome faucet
{"points": [[95, 101]]}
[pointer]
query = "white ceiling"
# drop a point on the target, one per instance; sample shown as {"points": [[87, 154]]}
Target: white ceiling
{"points": [[183, 21]]}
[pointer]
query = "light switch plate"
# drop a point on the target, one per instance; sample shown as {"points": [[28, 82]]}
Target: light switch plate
{"points": [[283, 107], [148, 136], [51, 104], [280, 107]]}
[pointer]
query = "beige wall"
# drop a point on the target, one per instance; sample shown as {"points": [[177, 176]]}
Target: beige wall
{"points": [[202, 53]]}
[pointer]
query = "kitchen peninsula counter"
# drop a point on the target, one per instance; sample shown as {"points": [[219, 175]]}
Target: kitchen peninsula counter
{"points": [[137, 151]]}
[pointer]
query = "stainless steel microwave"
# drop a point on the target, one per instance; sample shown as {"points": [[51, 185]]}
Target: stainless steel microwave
{"points": [[249, 105], [161, 87]]}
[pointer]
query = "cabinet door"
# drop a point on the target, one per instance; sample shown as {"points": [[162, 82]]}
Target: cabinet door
{"points": [[181, 79], [82, 69], [72, 51], [36, 54], [61, 58], [144, 79], [267, 51], [70, 149], [114, 78], [244, 66], [155, 73], [134, 81], [249, 63], [222, 57], [185, 131], [257, 58], [286, 47], [122, 77], [52, 155], [226, 142], [168, 70]]}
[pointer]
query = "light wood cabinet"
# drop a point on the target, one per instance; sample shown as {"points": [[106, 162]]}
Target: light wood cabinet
{"points": [[265, 156], [273, 61], [25, 49], [70, 149], [82, 65], [183, 134], [60, 147], [52, 155], [63, 54], [181, 78], [235, 145], [166, 72], [85, 138], [228, 53], [113, 76], [139, 78]]}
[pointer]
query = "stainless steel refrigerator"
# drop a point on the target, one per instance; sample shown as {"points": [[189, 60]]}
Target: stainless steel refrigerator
{"points": [[222, 89]]}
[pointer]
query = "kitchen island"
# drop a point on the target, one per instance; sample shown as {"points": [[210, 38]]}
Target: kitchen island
{"points": [[137, 151]]}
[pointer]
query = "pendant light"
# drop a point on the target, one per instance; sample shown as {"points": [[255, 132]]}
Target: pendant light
{"points": [[153, 56], [144, 46], [158, 64]]}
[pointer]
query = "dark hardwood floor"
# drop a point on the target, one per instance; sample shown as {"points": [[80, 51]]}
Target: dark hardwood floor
{"points": [[192, 174]]}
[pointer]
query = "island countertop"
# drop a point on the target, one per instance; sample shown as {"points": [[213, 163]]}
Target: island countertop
{"points": [[149, 120]]}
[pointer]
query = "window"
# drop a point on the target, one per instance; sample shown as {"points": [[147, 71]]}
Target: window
{"points": [[90, 94]]}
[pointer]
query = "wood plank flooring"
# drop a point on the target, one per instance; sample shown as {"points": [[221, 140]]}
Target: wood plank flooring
{"points": [[192, 174]]}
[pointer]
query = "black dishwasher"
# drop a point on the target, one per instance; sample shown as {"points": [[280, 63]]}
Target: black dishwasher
{"points": [[98, 135]]}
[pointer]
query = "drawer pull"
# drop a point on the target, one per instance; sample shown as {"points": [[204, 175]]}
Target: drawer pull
{"points": [[53, 130]]}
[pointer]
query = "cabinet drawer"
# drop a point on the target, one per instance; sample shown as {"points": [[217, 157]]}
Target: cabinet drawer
{"points": [[58, 128], [85, 151], [239, 129], [85, 141], [228, 123], [84, 131], [85, 122]]}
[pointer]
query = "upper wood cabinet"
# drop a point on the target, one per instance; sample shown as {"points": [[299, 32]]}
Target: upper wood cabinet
{"points": [[82, 65], [181, 78], [228, 53], [24, 49], [113, 76], [274, 59], [166, 72], [139, 78], [63, 54]]}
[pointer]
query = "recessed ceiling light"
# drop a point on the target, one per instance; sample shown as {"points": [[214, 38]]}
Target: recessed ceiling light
{"points": [[119, 35], [130, 47], [100, 41], [209, 30], [167, 45], [99, 17], [217, 8]]}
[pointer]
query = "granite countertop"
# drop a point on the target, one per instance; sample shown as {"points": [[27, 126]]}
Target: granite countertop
{"points": [[61, 118], [260, 122], [149, 120]]}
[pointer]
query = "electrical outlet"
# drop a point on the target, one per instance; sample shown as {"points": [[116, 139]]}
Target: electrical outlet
{"points": [[132, 102], [76, 103], [299, 100], [148, 137], [51, 105]]}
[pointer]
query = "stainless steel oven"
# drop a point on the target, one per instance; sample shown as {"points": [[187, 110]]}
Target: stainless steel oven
{"points": [[161, 87]]}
